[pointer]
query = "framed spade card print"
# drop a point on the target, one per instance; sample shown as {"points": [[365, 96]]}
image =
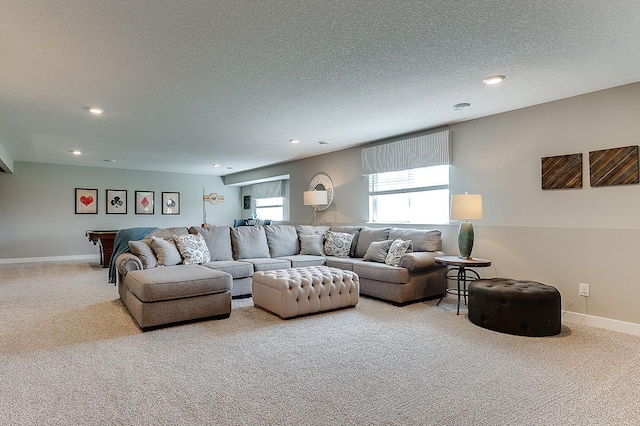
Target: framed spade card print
{"points": [[86, 201]]}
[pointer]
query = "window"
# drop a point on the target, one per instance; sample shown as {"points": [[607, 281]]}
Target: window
{"points": [[410, 196], [270, 208]]}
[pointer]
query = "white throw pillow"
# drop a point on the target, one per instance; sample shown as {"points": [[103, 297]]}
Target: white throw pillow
{"points": [[397, 250], [193, 249]]}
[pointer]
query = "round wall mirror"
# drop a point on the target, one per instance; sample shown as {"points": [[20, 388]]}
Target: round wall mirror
{"points": [[322, 182]]}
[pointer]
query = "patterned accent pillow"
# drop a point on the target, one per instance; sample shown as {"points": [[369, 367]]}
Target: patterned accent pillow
{"points": [[166, 251], [193, 249], [337, 243], [397, 250]]}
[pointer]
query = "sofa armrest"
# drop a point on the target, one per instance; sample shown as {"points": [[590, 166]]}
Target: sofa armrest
{"points": [[420, 260], [127, 262]]}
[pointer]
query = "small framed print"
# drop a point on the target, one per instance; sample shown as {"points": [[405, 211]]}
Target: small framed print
{"points": [[86, 201], [170, 203], [116, 201], [145, 202], [247, 202]]}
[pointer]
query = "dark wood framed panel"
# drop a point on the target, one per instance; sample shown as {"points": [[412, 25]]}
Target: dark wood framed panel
{"points": [[617, 166], [562, 172]]}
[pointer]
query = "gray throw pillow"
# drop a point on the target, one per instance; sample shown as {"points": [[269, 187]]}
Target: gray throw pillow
{"points": [[311, 244], [249, 242], [282, 240], [311, 229], [377, 251], [166, 251], [368, 236], [396, 251], [337, 244], [142, 249], [422, 239], [218, 239]]}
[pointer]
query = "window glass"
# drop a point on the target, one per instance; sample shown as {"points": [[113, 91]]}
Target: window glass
{"points": [[410, 196], [270, 208]]}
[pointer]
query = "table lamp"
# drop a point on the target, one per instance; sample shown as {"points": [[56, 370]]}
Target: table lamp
{"points": [[315, 198], [466, 207]]}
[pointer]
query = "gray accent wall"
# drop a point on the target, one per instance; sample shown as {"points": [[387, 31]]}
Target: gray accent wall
{"points": [[38, 220], [558, 237]]}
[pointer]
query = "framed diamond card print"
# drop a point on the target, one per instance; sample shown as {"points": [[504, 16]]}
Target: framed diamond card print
{"points": [[116, 201], [86, 201], [145, 202]]}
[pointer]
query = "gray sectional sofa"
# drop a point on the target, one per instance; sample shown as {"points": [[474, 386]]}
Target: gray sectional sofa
{"points": [[236, 253]]}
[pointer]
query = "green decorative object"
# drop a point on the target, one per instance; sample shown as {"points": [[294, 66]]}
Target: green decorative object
{"points": [[465, 239]]}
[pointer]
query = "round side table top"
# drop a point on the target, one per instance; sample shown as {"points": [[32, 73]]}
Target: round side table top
{"points": [[460, 261]]}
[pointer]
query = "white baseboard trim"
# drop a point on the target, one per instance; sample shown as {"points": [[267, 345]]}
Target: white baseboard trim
{"points": [[600, 322], [83, 257]]}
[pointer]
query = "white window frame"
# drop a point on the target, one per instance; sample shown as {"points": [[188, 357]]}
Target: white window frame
{"points": [[411, 186], [270, 203]]}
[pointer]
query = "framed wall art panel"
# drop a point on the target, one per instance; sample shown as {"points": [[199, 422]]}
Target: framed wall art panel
{"points": [[86, 201], [170, 203], [562, 172], [116, 201], [145, 202], [617, 166]]}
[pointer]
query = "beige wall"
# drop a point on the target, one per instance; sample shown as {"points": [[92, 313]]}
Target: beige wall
{"points": [[37, 216], [560, 237]]}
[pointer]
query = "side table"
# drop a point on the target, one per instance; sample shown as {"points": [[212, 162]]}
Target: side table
{"points": [[458, 271]]}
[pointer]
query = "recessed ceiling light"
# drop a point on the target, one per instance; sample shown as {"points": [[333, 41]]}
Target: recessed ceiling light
{"points": [[324, 142], [110, 161], [493, 79], [76, 152], [463, 105], [229, 168], [216, 165], [96, 110], [294, 140]]}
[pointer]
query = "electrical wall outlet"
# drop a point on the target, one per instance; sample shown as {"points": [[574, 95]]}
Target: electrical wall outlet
{"points": [[584, 289]]}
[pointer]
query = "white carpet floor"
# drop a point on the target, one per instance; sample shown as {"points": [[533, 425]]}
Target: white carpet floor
{"points": [[71, 354]]}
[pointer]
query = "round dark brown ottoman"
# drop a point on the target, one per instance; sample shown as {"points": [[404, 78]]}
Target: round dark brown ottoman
{"points": [[525, 308]]}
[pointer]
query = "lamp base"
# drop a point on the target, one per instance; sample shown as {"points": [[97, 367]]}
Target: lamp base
{"points": [[465, 240]]}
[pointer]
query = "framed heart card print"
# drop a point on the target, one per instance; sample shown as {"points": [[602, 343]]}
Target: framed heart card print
{"points": [[86, 201]]}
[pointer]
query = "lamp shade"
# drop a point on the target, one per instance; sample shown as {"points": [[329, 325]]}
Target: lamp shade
{"points": [[315, 198], [466, 206]]}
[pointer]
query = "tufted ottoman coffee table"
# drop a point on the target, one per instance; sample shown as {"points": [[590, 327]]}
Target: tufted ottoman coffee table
{"points": [[293, 292], [524, 308]]}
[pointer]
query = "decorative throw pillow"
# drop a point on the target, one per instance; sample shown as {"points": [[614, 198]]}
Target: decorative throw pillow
{"points": [[166, 251], [192, 248], [397, 250], [142, 249], [311, 244], [337, 244], [377, 251]]}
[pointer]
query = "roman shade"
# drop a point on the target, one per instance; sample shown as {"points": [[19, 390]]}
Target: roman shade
{"points": [[267, 189], [421, 151]]}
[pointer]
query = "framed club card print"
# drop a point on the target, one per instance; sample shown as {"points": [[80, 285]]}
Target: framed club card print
{"points": [[170, 203], [86, 201], [116, 201], [145, 202]]}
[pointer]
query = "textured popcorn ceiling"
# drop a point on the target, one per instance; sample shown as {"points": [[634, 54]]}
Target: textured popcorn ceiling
{"points": [[190, 83]]}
